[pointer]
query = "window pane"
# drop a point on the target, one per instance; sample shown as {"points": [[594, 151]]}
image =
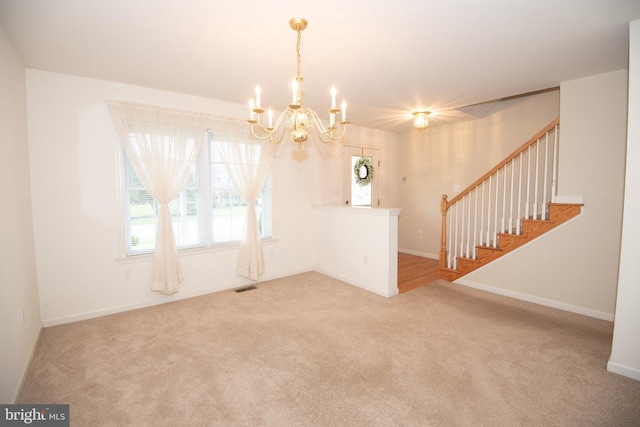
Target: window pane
{"points": [[227, 206], [142, 216], [141, 213], [185, 220]]}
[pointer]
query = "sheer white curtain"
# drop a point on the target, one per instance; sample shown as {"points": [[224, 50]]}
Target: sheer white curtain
{"points": [[248, 162], [162, 146]]}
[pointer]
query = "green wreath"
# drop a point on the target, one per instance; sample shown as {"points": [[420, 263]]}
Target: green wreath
{"points": [[363, 171]]}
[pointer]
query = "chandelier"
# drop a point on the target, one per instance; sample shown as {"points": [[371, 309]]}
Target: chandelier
{"points": [[296, 117]]}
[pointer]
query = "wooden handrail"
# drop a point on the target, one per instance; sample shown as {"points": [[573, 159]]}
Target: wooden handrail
{"points": [[508, 159]]}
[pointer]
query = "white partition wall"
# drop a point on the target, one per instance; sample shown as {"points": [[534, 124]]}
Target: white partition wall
{"points": [[358, 245]]}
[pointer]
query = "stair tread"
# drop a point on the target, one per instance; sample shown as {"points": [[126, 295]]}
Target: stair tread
{"points": [[462, 258], [512, 235], [489, 247]]}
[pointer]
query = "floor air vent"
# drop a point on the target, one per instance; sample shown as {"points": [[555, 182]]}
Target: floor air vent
{"points": [[246, 288]]}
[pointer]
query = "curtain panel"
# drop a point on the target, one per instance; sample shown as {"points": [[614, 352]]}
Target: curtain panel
{"points": [[247, 162], [162, 146]]}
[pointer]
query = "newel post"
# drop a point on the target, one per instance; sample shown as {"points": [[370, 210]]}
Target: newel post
{"points": [[443, 235]]}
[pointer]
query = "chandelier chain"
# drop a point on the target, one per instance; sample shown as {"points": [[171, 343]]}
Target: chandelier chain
{"points": [[298, 52]]}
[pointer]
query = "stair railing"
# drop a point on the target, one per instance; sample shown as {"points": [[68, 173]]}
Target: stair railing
{"points": [[518, 187]]}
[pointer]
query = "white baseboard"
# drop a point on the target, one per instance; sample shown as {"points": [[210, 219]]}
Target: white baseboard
{"points": [[537, 300], [416, 253], [25, 368], [150, 303], [368, 288], [625, 371]]}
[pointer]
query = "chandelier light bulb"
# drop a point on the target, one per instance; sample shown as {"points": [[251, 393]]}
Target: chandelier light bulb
{"points": [[252, 106], [258, 92], [333, 97], [294, 91]]}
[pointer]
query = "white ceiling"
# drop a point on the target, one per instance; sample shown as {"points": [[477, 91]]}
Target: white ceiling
{"points": [[385, 57]]}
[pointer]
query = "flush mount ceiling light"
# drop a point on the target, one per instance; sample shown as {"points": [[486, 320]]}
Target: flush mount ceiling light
{"points": [[421, 119], [295, 116]]}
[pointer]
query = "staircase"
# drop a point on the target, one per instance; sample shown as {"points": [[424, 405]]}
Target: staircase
{"points": [[509, 206]]}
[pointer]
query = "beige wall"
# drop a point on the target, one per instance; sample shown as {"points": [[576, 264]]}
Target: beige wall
{"points": [[18, 287], [435, 160], [625, 352], [576, 266]]}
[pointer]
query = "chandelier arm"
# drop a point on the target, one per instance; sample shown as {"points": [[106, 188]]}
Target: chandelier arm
{"points": [[330, 134], [271, 136], [321, 130], [267, 129], [278, 139], [260, 137], [270, 133]]}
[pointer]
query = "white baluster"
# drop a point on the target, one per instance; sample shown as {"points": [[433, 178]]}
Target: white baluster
{"points": [[495, 219], [455, 246], [462, 231], [510, 229], [449, 242], [468, 252], [475, 227], [482, 216], [488, 243], [527, 207], [535, 193], [555, 164], [518, 218], [504, 200], [546, 179]]}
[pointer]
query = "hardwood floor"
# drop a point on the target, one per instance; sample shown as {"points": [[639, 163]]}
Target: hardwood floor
{"points": [[415, 271]]}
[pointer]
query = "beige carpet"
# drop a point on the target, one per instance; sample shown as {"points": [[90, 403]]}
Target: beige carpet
{"points": [[312, 351]]}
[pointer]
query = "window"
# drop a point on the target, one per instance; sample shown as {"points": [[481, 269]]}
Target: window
{"points": [[360, 194], [355, 194], [208, 211]]}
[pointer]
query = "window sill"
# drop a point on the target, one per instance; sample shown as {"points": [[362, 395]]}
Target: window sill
{"points": [[130, 259]]}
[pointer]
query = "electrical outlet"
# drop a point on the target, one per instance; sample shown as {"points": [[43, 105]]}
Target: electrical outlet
{"points": [[456, 188], [365, 259], [22, 315], [420, 235], [127, 275]]}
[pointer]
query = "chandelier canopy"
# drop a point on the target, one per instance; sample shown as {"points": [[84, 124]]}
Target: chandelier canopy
{"points": [[296, 117]]}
